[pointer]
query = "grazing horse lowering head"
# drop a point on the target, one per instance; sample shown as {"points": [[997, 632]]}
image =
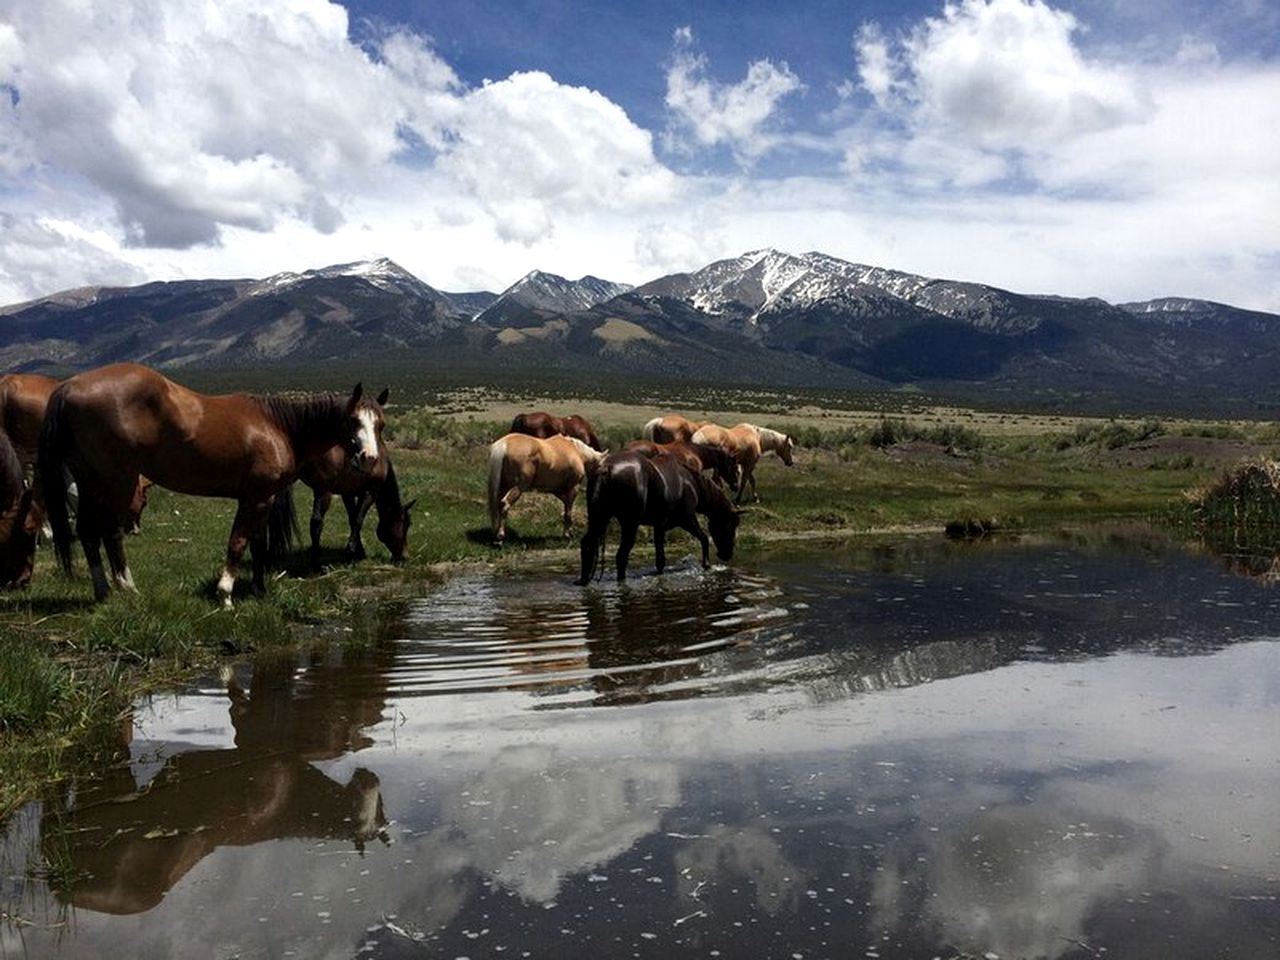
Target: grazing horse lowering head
{"points": [[722, 519], [19, 523], [394, 517]]}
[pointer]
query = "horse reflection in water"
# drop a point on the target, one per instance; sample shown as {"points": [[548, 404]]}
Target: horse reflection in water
{"points": [[129, 844]]}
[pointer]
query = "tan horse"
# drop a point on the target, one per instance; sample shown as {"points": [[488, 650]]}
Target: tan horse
{"points": [[672, 427], [746, 443], [518, 463]]}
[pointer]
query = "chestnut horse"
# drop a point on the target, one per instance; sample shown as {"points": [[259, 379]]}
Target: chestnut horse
{"points": [[670, 428], [660, 492], [696, 456], [19, 523], [23, 397], [746, 443], [109, 425], [518, 462], [359, 489], [544, 425]]}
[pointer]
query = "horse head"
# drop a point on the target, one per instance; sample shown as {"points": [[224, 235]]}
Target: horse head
{"points": [[18, 529], [393, 530], [362, 430], [722, 519]]}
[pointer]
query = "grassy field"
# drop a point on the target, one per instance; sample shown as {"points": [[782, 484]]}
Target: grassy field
{"points": [[69, 668]]}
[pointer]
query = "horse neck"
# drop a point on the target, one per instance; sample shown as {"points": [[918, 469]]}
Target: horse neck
{"points": [[387, 499], [310, 421]]}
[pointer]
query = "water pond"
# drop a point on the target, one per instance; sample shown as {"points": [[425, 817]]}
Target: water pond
{"points": [[1059, 747]]}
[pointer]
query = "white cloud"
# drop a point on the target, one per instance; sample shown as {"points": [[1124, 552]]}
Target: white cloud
{"points": [[529, 147], [37, 254], [735, 115], [998, 75]]}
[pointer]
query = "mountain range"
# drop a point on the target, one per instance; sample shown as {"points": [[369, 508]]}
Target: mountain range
{"points": [[764, 317]]}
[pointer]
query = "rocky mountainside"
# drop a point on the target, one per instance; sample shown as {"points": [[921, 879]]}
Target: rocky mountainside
{"points": [[537, 296], [766, 316]]}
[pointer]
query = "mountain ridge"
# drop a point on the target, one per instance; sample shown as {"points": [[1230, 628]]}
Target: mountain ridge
{"points": [[807, 318]]}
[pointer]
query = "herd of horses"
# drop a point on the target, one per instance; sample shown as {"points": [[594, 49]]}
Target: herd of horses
{"points": [[81, 452]]}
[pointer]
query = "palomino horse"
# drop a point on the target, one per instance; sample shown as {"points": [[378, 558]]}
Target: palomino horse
{"points": [[670, 428], [518, 462], [359, 489], [696, 456], [23, 398], [746, 443], [544, 425], [19, 522], [660, 492], [109, 425]]}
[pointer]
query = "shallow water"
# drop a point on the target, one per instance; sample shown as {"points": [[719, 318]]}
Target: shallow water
{"points": [[1055, 748]]}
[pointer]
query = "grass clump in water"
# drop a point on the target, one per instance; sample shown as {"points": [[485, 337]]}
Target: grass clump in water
{"points": [[1243, 501]]}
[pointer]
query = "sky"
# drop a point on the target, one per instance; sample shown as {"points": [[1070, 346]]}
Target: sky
{"points": [[1126, 149]]}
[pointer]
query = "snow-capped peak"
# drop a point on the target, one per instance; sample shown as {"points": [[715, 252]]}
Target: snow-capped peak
{"points": [[382, 272]]}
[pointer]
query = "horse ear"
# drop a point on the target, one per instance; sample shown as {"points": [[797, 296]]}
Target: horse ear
{"points": [[409, 506], [739, 511], [356, 393], [382, 397]]}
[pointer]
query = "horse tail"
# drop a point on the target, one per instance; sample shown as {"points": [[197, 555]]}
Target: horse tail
{"points": [[497, 457], [282, 527], [50, 465], [650, 429]]}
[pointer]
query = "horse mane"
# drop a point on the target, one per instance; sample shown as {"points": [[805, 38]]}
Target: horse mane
{"points": [[771, 438], [589, 452], [302, 414]]}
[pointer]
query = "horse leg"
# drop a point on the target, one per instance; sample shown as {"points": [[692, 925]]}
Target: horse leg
{"points": [[626, 541], [692, 525], [258, 546], [113, 540], [748, 473], [319, 507], [660, 547], [357, 509], [567, 499], [88, 529], [249, 523], [504, 507]]}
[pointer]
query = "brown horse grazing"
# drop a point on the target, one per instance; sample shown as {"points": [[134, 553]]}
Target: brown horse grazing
{"points": [[518, 462], [23, 398], [670, 428], [544, 425], [660, 492], [331, 473], [746, 443], [696, 456], [109, 425], [19, 520]]}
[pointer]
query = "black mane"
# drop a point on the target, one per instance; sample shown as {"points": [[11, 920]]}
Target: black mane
{"points": [[305, 417]]}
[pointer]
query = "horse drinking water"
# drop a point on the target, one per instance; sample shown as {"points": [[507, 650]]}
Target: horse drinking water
{"points": [[659, 492], [110, 425], [518, 462]]}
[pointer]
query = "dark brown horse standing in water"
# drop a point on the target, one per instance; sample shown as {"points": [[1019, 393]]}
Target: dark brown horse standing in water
{"points": [[659, 492], [696, 456], [545, 425], [110, 425], [19, 522], [332, 474]]}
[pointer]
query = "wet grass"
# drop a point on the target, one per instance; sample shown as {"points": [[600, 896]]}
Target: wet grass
{"points": [[69, 667]]}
